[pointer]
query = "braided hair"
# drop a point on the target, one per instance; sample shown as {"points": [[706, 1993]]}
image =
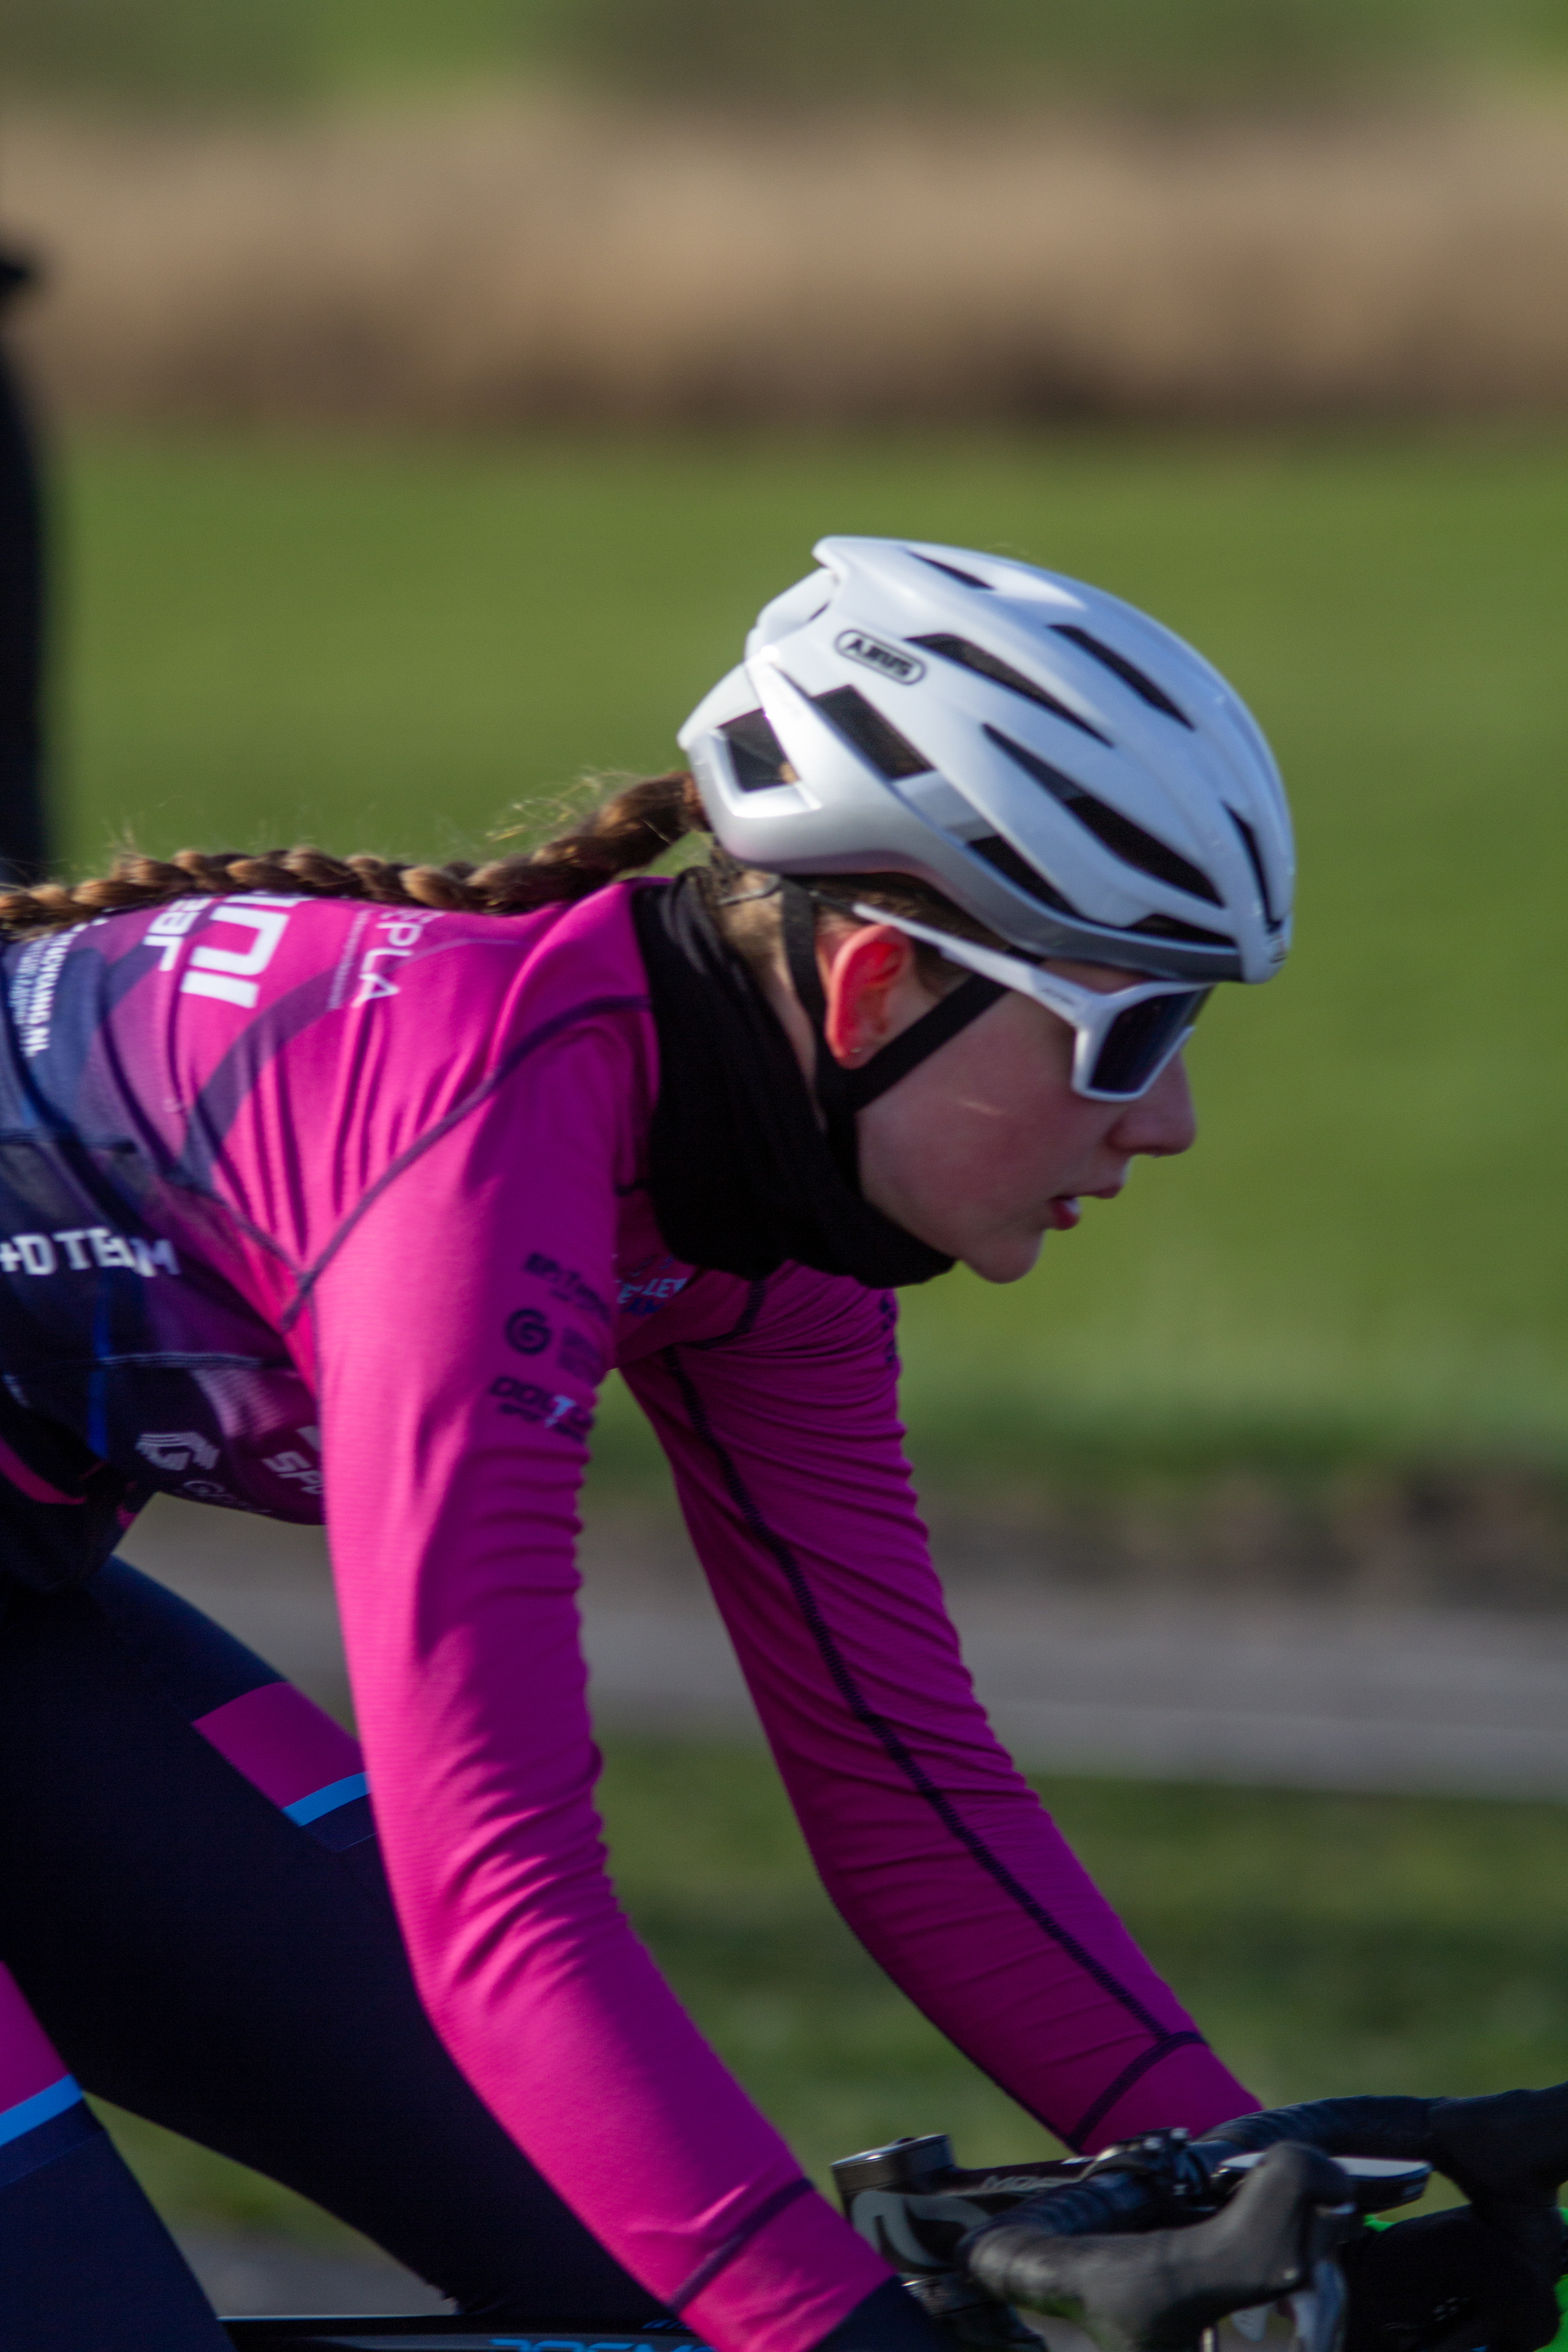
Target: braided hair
{"points": [[624, 833]]}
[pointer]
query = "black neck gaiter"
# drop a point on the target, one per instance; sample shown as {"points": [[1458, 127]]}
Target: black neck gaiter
{"points": [[742, 1175]]}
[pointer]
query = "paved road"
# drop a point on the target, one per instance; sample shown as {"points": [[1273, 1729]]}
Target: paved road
{"points": [[1290, 1694], [247, 2271]]}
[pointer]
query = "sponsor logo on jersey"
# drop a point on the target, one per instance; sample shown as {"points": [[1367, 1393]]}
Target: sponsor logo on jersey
{"points": [[297, 1467], [888, 661], [645, 1293], [81, 1249], [208, 1490], [530, 1403], [169, 926], [33, 987], [173, 1449], [580, 1356], [527, 1331], [233, 974], [566, 1285], [399, 934]]}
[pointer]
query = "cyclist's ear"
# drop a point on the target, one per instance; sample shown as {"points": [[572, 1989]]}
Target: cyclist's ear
{"points": [[871, 981]]}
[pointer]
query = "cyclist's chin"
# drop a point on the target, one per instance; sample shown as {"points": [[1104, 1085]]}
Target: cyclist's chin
{"points": [[1001, 1256], [996, 1249]]}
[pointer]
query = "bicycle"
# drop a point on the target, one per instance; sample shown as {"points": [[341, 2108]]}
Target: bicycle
{"points": [[909, 2199], [1150, 2244]]}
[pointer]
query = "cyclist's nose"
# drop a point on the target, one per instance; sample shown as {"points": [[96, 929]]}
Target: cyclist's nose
{"points": [[1162, 1122]]}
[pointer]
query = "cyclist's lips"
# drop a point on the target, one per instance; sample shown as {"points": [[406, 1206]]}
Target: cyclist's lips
{"points": [[1064, 1209]]}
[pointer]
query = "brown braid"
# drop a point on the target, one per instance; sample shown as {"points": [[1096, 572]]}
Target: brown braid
{"points": [[627, 831]]}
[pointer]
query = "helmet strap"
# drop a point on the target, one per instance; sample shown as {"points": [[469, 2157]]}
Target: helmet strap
{"points": [[841, 1092]]}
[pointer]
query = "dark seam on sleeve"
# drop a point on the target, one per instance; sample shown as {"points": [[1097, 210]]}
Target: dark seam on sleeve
{"points": [[893, 1746], [543, 1036], [240, 1221], [723, 2256], [1130, 2074]]}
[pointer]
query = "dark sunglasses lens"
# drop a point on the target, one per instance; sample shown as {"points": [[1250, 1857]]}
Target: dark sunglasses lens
{"points": [[1138, 1040]]}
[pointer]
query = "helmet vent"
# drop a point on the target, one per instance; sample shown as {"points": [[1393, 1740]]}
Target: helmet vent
{"points": [[1006, 860], [1128, 672], [964, 579], [874, 737], [1249, 843], [1125, 839], [991, 666], [1166, 927], [757, 755]]}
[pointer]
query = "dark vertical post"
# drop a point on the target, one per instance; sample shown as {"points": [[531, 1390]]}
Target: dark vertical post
{"points": [[24, 840]]}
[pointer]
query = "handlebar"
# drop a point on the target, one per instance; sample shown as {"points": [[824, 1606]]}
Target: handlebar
{"points": [[969, 2243], [915, 2204]]}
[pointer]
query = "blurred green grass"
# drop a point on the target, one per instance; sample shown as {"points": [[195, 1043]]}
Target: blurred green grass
{"points": [[1170, 53], [290, 52], [1325, 1944], [375, 646]]}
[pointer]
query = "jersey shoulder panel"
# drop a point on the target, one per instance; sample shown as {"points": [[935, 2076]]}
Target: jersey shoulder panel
{"points": [[174, 1162]]}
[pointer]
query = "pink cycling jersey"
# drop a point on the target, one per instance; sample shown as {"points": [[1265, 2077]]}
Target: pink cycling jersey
{"points": [[359, 1198]]}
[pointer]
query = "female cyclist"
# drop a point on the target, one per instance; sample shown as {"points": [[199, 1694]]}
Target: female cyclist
{"points": [[335, 1189]]}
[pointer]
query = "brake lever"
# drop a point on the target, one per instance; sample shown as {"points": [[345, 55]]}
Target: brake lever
{"points": [[1317, 2311]]}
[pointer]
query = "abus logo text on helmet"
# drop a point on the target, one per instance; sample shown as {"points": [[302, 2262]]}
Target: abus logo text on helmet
{"points": [[891, 660]]}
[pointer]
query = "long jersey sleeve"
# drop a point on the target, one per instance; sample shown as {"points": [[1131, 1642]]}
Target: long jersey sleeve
{"points": [[451, 1516], [786, 1450], [310, 1203]]}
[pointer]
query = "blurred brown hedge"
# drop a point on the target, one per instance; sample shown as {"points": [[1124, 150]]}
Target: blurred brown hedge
{"points": [[517, 261]]}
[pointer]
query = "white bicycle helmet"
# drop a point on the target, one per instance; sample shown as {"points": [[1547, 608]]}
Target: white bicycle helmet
{"points": [[1064, 770]]}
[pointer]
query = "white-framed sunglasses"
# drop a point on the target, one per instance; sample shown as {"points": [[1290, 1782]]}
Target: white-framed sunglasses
{"points": [[1123, 1038]]}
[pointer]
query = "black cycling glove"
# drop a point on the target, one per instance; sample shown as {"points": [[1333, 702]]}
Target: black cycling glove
{"points": [[1482, 2275], [1445, 2283]]}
